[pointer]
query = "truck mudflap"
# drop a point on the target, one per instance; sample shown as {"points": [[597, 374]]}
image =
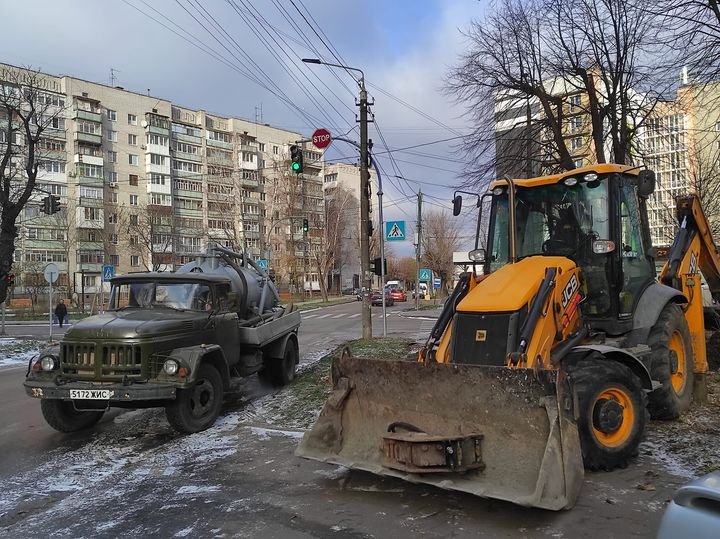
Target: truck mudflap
{"points": [[495, 432]]}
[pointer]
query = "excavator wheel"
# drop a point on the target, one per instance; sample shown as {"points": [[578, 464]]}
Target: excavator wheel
{"points": [[672, 364], [611, 413]]}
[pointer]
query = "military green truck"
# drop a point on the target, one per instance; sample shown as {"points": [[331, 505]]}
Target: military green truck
{"points": [[182, 340]]}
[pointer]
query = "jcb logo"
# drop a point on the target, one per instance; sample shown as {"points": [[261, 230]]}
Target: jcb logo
{"points": [[480, 335], [569, 290]]}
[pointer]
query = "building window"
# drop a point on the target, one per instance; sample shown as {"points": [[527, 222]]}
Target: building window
{"points": [[134, 240], [57, 123], [261, 146], [156, 159], [134, 220], [133, 200], [576, 143], [115, 259], [575, 101], [52, 166], [111, 115], [112, 157], [133, 159], [276, 150], [112, 219], [90, 128], [132, 140], [113, 197], [134, 261], [132, 119], [157, 179], [329, 178], [576, 123], [92, 214], [578, 162], [111, 177], [112, 136], [133, 179], [158, 140]]}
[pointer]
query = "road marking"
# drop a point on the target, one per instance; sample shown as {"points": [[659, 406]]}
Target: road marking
{"points": [[323, 316], [354, 315], [309, 317], [339, 315]]}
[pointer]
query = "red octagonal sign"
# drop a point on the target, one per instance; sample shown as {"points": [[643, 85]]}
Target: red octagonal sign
{"points": [[321, 138]]}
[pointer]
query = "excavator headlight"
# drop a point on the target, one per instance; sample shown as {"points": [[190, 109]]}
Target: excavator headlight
{"points": [[601, 247], [590, 177], [498, 191], [572, 180]]}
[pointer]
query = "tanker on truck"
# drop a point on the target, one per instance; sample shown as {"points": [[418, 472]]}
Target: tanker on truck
{"points": [[180, 340]]}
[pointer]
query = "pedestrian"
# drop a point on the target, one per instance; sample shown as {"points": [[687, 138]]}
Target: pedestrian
{"points": [[61, 312]]}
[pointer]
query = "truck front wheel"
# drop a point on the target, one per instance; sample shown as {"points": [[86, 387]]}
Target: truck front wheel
{"points": [[196, 408], [62, 416]]}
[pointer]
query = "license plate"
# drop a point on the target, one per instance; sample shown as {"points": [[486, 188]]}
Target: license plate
{"points": [[93, 394]]}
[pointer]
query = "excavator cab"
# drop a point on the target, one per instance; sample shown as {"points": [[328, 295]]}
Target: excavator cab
{"points": [[597, 219]]}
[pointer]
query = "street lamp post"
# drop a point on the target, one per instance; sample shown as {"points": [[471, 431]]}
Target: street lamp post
{"points": [[364, 195]]}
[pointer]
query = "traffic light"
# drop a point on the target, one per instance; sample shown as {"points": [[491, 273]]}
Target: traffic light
{"points": [[306, 226], [50, 204], [296, 158], [376, 268], [54, 204]]}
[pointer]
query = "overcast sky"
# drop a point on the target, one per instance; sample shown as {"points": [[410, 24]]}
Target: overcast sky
{"points": [[405, 48]]}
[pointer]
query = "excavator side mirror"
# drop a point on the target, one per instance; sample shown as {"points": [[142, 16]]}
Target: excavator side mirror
{"points": [[457, 205], [645, 183]]}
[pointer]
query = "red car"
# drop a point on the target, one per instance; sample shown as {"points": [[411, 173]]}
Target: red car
{"points": [[398, 295]]}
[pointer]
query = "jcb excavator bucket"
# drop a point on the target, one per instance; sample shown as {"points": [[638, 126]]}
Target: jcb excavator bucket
{"points": [[494, 432]]}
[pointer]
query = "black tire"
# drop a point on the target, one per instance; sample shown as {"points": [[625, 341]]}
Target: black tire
{"points": [[196, 408], [612, 412], [62, 416], [669, 339], [280, 372]]}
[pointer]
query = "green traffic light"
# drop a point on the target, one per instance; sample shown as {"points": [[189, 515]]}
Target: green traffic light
{"points": [[296, 166]]}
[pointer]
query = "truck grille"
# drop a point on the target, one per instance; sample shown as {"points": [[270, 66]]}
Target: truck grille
{"points": [[115, 361]]}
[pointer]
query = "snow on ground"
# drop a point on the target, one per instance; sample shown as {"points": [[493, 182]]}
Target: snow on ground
{"points": [[14, 352]]}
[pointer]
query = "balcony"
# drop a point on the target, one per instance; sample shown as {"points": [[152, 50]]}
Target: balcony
{"points": [[185, 193], [249, 182], [88, 138], [187, 212], [89, 181], [157, 130], [252, 234], [87, 202], [80, 114], [196, 157], [187, 138], [90, 245], [248, 148], [89, 159], [219, 144]]}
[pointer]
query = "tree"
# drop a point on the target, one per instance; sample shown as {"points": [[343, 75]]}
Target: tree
{"points": [[27, 110], [545, 60], [403, 269], [151, 235], [332, 231], [441, 237]]}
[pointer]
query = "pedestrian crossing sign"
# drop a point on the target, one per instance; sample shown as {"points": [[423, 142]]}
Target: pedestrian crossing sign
{"points": [[425, 275], [395, 231]]}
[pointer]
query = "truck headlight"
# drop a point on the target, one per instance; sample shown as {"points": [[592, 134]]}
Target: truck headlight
{"points": [[170, 367], [48, 363]]}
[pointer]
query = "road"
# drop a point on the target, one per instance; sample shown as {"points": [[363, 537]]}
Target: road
{"points": [[134, 476]]}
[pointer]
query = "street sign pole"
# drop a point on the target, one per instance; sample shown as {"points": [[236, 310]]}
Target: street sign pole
{"points": [[51, 273], [50, 308]]}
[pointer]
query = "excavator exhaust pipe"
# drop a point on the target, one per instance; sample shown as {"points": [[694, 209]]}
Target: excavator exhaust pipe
{"points": [[495, 432]]}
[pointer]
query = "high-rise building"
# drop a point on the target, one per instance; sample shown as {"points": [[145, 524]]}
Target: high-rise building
{"points": [[146, 184]]}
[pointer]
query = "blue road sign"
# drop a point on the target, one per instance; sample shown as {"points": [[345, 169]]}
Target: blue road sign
{"points": [[108, 272], [263, 263], [436, 282], [395, 231], [425, 275]]}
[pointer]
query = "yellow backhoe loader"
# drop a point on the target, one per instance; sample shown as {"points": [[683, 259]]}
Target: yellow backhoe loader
{"points": [[546, 362]]}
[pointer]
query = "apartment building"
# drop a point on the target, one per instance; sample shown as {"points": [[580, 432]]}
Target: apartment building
{"points": [[146, 184]]}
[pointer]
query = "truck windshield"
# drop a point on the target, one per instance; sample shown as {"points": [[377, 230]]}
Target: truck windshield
{"points": [[556, 219], [149, 295]]}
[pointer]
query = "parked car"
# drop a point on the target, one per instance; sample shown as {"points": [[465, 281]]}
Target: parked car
{"points": [[694, 510], [398, 294], [350, 291], [376, 298], [362, 292]]}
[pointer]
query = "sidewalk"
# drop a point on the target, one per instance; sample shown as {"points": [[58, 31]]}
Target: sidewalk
{"points": [[422, 314]]}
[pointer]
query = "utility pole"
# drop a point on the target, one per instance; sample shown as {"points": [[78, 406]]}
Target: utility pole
{"points": [[365, 213], [417, 250]]}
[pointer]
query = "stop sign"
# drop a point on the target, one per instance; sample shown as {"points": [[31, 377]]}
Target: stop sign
{"points": [[321, 138]]}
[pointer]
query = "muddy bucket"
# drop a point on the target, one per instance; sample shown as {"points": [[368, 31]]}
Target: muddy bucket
{"points": [[494, 432]]}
